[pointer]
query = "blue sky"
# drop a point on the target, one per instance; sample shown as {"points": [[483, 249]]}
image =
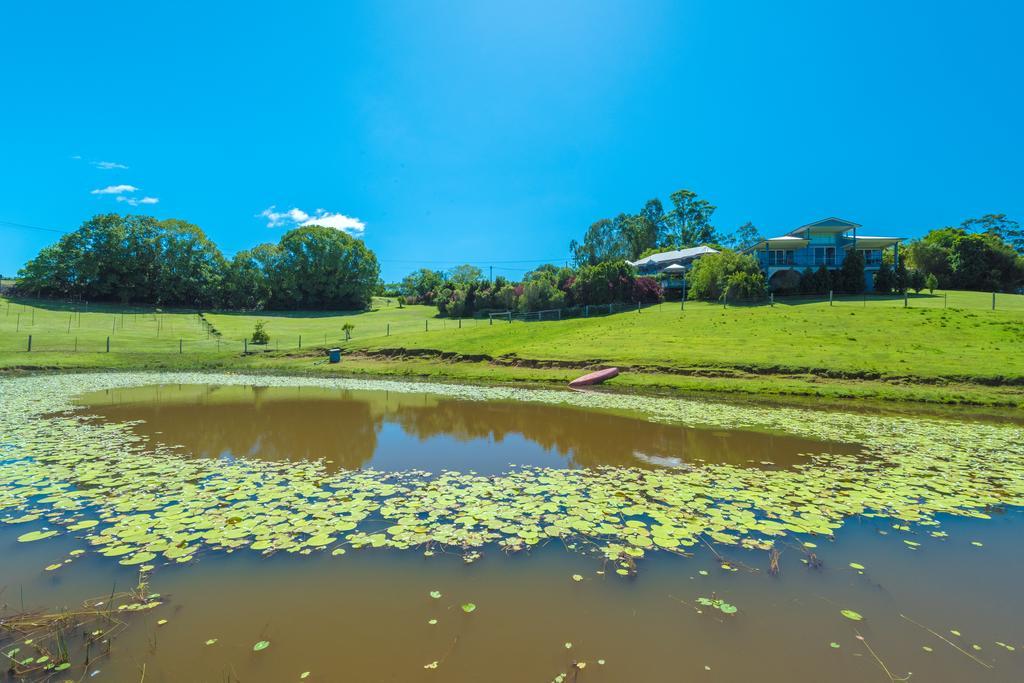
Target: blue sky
{"points": [[496, 132]]}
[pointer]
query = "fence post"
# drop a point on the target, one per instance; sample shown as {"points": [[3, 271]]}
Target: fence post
{"points": [[245, 345], [771, 299], [388, 333], [180, 342], [300, 341], [460, 323], [638, 307], [30, 343], [906, 298], [830, 297], [76, 344], [108, 344], [586, 311], [426, 325], [993, 301]]}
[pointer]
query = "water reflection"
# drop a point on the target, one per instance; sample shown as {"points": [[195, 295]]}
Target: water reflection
{"points": [[386, 430]]}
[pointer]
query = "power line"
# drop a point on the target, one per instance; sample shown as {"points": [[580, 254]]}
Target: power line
{"points": [[33, 227]]}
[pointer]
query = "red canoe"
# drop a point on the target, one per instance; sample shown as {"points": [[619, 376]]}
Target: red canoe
{"points": [[594, 377]]}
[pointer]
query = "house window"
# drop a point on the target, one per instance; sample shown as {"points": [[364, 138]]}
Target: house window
{"points": [[872, 257], [824, 256], [780, 257]]}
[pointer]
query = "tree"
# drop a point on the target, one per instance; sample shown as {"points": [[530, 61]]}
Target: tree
{"points": [[688, 223], [930, 257], [884, 280], [259, 334], [602, 242], [999, 226], [917, 281], [247, 277], [931, 282], [323, 268], [851, 275], [421, 284], [712, 276], [190, 269], [745, 236], [639, 234], [465, 274]]}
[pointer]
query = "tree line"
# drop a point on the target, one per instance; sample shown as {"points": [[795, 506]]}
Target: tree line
{"points": [[139, 259], [464, 292], [653, 229]]}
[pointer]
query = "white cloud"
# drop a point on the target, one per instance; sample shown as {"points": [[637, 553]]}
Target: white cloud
{"points": [[115, 189], [76, 156], [107, 165], [131, 201], [295, 216]]}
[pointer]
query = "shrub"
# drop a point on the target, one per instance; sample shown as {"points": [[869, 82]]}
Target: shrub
{"points": [[712, 275], [347, 329], [931, 282], [744, 286], [647, 290], [916, 280], [259, 334], [884, 280]]}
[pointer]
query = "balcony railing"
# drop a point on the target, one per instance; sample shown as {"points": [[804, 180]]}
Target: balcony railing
{"points": [[799, 261]]}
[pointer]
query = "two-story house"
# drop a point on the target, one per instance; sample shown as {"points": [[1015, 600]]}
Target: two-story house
{"points": [[821, 243], [670, 267]]}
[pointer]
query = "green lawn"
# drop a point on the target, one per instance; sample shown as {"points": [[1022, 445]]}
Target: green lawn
{"points": [[963, 352]]}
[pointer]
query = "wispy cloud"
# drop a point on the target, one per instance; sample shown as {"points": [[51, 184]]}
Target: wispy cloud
{"points": [[76, 156], [131, 201], [108, 165], [295, 216], [115, 189]]}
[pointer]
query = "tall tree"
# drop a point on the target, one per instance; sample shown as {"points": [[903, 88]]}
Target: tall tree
{"points": [[688, 224], [998, 225], [321, 267], [745, 236], [602, 242], [465, 274]]}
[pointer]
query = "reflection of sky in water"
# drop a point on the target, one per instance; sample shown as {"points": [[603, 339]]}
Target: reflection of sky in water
{"points": [[392, 431]]}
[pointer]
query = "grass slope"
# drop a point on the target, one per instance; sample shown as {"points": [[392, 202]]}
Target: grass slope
{"points": [[963, 353]]}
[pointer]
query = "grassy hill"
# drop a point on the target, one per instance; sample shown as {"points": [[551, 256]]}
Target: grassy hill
{"points": [[945, 348]]}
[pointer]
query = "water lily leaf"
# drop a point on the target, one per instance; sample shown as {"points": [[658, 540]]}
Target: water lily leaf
{"points": [[850, 614], [468, 607], [261, 645], [211, 641], [577, 577], [435, 594], [856, 565]]}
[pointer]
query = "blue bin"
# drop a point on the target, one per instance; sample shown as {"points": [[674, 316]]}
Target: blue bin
{"points": [[335, 355]]}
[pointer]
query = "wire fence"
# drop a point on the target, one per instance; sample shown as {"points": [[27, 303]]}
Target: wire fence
{"points": [[24, 328]]}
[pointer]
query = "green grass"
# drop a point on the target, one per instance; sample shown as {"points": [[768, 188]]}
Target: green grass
{"points": [[966, 353]]}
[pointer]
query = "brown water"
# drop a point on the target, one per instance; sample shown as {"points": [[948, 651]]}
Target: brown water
{"points": [[364, 616], [399, 431]]}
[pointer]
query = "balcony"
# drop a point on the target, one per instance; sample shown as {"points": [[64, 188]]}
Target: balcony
{"points": [[798, 261]]}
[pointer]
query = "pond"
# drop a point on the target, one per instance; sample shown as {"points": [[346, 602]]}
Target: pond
{"points": [[366, 530], [390, 430]]}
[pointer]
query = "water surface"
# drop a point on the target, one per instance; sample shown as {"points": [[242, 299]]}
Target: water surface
{"points": [[384, 430]]}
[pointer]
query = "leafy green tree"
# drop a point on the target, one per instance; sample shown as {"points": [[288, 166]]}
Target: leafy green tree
{"points": [[605, 283], [259, 333], [1000, 227], [712, 275], [322, 267], [465, 274], [917, 281], [931, 282], [745, 286], [602, 242], [931, 257], [421, 283], [190, 269], [850, 279], [745, 236], [884, 279], [688, 224], [247, 278]]}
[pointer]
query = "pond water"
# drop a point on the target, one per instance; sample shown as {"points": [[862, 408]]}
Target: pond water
{"points": [[384, 430], [606, 539]]}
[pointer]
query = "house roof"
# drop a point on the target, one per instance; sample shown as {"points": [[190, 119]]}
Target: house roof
{"points": [[832, 224], [676, 255]]}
